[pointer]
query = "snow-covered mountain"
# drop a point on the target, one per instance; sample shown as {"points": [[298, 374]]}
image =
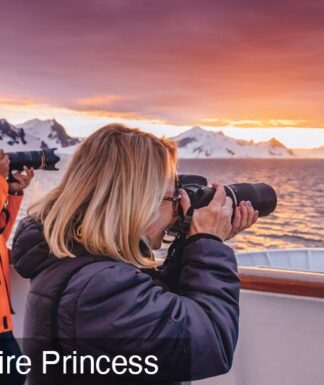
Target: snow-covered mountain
{"points": [[10, 135], [34, 134], [194, 143], [49, 132], [201, 143]]}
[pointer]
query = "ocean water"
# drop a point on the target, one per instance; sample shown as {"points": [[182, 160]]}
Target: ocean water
{"points": [[297, 222]]}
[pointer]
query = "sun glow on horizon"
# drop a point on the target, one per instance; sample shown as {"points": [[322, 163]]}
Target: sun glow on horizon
{"points": [[83, 123], [291, 137]]}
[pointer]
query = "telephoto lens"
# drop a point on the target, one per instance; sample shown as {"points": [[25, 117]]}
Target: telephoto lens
{"points": [[43, 159], [261, 195]]}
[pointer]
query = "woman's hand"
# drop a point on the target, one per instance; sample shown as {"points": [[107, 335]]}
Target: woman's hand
{"points": [[4, 164], [213, 219], [23, 180], [244, 216]]}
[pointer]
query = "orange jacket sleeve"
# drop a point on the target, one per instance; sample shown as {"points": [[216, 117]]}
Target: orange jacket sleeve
{"points": [[14, 203], [4, 187], [13, 206]]}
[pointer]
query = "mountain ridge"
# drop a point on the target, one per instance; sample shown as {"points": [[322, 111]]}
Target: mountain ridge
{"points": [[34, 134], [198, 143], [195, 143]]}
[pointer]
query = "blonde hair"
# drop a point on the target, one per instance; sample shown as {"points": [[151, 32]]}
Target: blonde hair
{"points": [[110, 193]]}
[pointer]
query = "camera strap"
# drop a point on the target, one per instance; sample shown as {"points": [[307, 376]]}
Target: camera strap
{"points": [[169, 272], [176, 248], [186, 222], [184, 230]]}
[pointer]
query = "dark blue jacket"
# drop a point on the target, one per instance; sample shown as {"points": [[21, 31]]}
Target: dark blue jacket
{"points": [[194, 330]]}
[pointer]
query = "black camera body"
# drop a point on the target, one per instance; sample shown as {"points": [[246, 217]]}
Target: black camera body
{"points": [[262, 196]]}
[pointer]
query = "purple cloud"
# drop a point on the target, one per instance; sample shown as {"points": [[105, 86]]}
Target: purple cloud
{"points": [[181, 61]]}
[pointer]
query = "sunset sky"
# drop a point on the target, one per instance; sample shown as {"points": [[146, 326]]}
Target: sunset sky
{"points": [[253, 68]]}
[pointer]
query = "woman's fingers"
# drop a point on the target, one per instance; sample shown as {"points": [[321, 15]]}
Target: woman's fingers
{"points": [[19, 178], [256, 216], [250, 214], [22, 179], [229, 205], [244, 215], [29, 172], [184, 200], [236, 225], [219, 196]]}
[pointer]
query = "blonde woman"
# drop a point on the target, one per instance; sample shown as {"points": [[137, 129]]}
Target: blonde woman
{"points": [[87, 247]]}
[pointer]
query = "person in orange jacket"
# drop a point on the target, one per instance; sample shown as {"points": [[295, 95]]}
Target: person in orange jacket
{"points": [[11, 195]]}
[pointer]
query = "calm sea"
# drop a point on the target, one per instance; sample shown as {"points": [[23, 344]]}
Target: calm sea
{"points": [[297, 221]]}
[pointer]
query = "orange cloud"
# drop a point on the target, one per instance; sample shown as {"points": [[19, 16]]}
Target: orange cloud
{"points": [[271, 123], [17, 101], [101, 100]]}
